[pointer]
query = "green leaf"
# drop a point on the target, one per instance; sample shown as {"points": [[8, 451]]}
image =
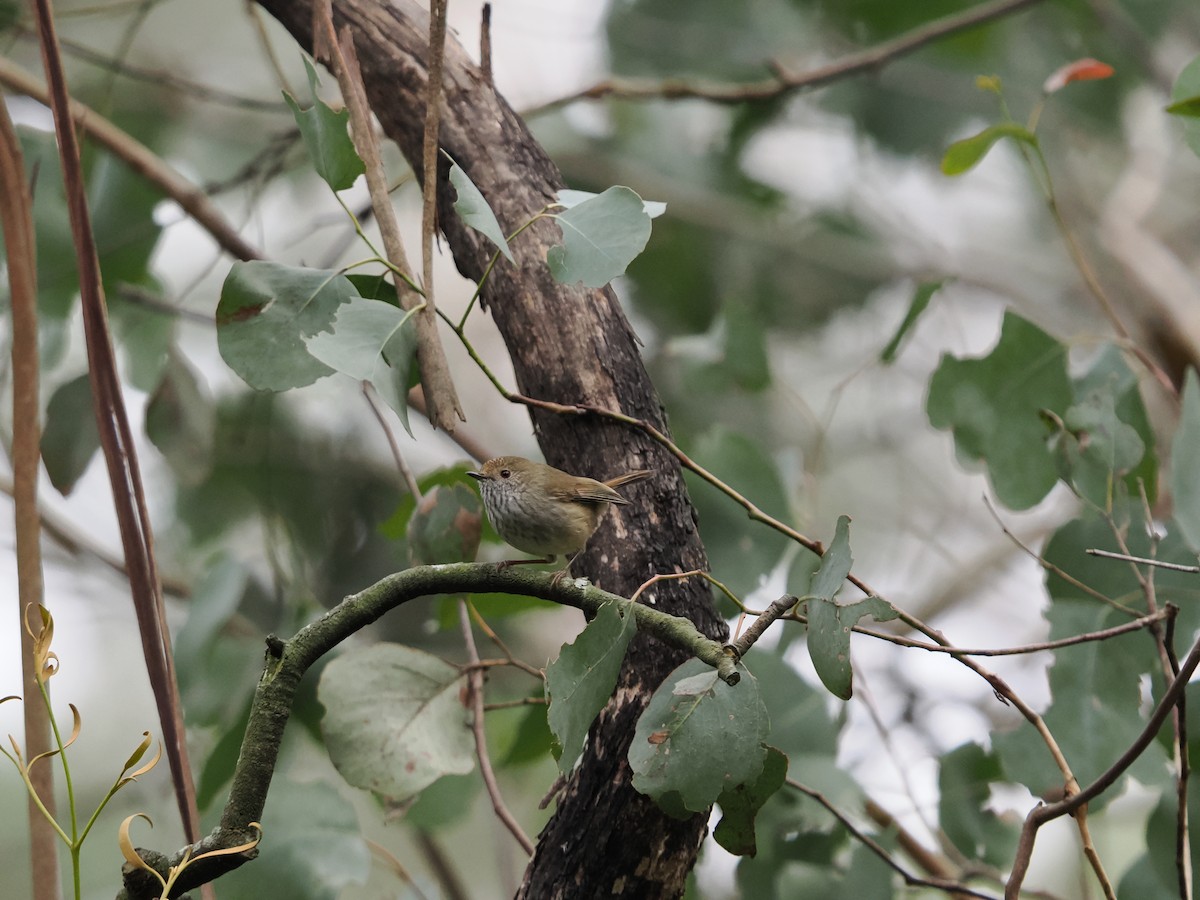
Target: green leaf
{"points": [[445, 526], [312, 847], [1185, 463], [581, 680], [919, 303], [1187, 107], [530, 741], [740, 805], [697, 738], [444, 803], [964, 788], [212, 604], [1096, 449], [601, 237], [371, 341], [394, 719], [181, 421], [835, 564], [568, 199], [1111, 376], [266, 312], [474, 210], [70, 438], [993, 405], [829, 624], [326, 137], [1185, 94], [964, 155]]}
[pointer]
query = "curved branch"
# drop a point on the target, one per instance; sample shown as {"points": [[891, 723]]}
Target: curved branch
{"points": [[288, 661]]}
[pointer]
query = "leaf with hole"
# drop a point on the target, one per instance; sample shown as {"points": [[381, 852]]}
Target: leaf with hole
{"points": [[698, 738]]}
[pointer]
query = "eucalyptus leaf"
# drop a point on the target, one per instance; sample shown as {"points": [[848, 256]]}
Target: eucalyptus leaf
{"points": [[326, 136], [740, 806], [266, 313], [1185, 100], [994, 406], [70, 438], [1185, 463], [371, 341], [473, 207], [581, 680], [697, 738], [601, 237], [394, 719]]}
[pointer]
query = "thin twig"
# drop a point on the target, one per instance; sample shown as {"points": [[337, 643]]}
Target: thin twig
{"points": [[1042, 814], [773, 612], [786, 82], [485, 44], [1053, 569], [141, 160], [338, 53], [1157, 563], [116, 437], [503, 647], [1039, 647], [940, 884], [20, 240], [475, 680], [401, 464]]}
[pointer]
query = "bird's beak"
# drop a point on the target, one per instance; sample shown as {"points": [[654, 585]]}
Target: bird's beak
{"points": [[478, 476]]}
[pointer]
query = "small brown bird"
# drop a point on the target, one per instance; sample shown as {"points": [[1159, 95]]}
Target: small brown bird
{"points": [[543, 510]]}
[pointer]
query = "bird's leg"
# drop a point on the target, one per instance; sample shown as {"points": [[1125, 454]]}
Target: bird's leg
{"points": [[565, 571], [542, 560]]}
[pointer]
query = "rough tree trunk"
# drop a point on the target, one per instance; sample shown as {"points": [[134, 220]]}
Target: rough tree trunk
{"points": [[570, 345]]}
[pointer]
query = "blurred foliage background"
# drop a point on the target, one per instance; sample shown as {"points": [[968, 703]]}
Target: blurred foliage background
{"points": [[798, 229]]}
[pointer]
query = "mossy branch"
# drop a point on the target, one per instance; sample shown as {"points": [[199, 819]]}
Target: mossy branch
{"points": [[288, 661]]}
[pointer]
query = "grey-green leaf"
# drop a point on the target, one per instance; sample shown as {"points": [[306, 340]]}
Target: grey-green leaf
{"points": [[371, 341], [994, 407], [70, 438], [919, 303], [1185, 96], [394, 719], [581, 680], [326, 137], [740, 805], [829, 624], [474, 210], [835, 564], [445, 526], [601, 237], [698, 738], [1185, 463], [267, 311]]}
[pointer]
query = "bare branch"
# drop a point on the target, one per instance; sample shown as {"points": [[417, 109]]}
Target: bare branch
{"points": [[785, 82]]}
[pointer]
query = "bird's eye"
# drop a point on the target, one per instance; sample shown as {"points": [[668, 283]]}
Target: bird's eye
{"points": [[504, 473]]}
